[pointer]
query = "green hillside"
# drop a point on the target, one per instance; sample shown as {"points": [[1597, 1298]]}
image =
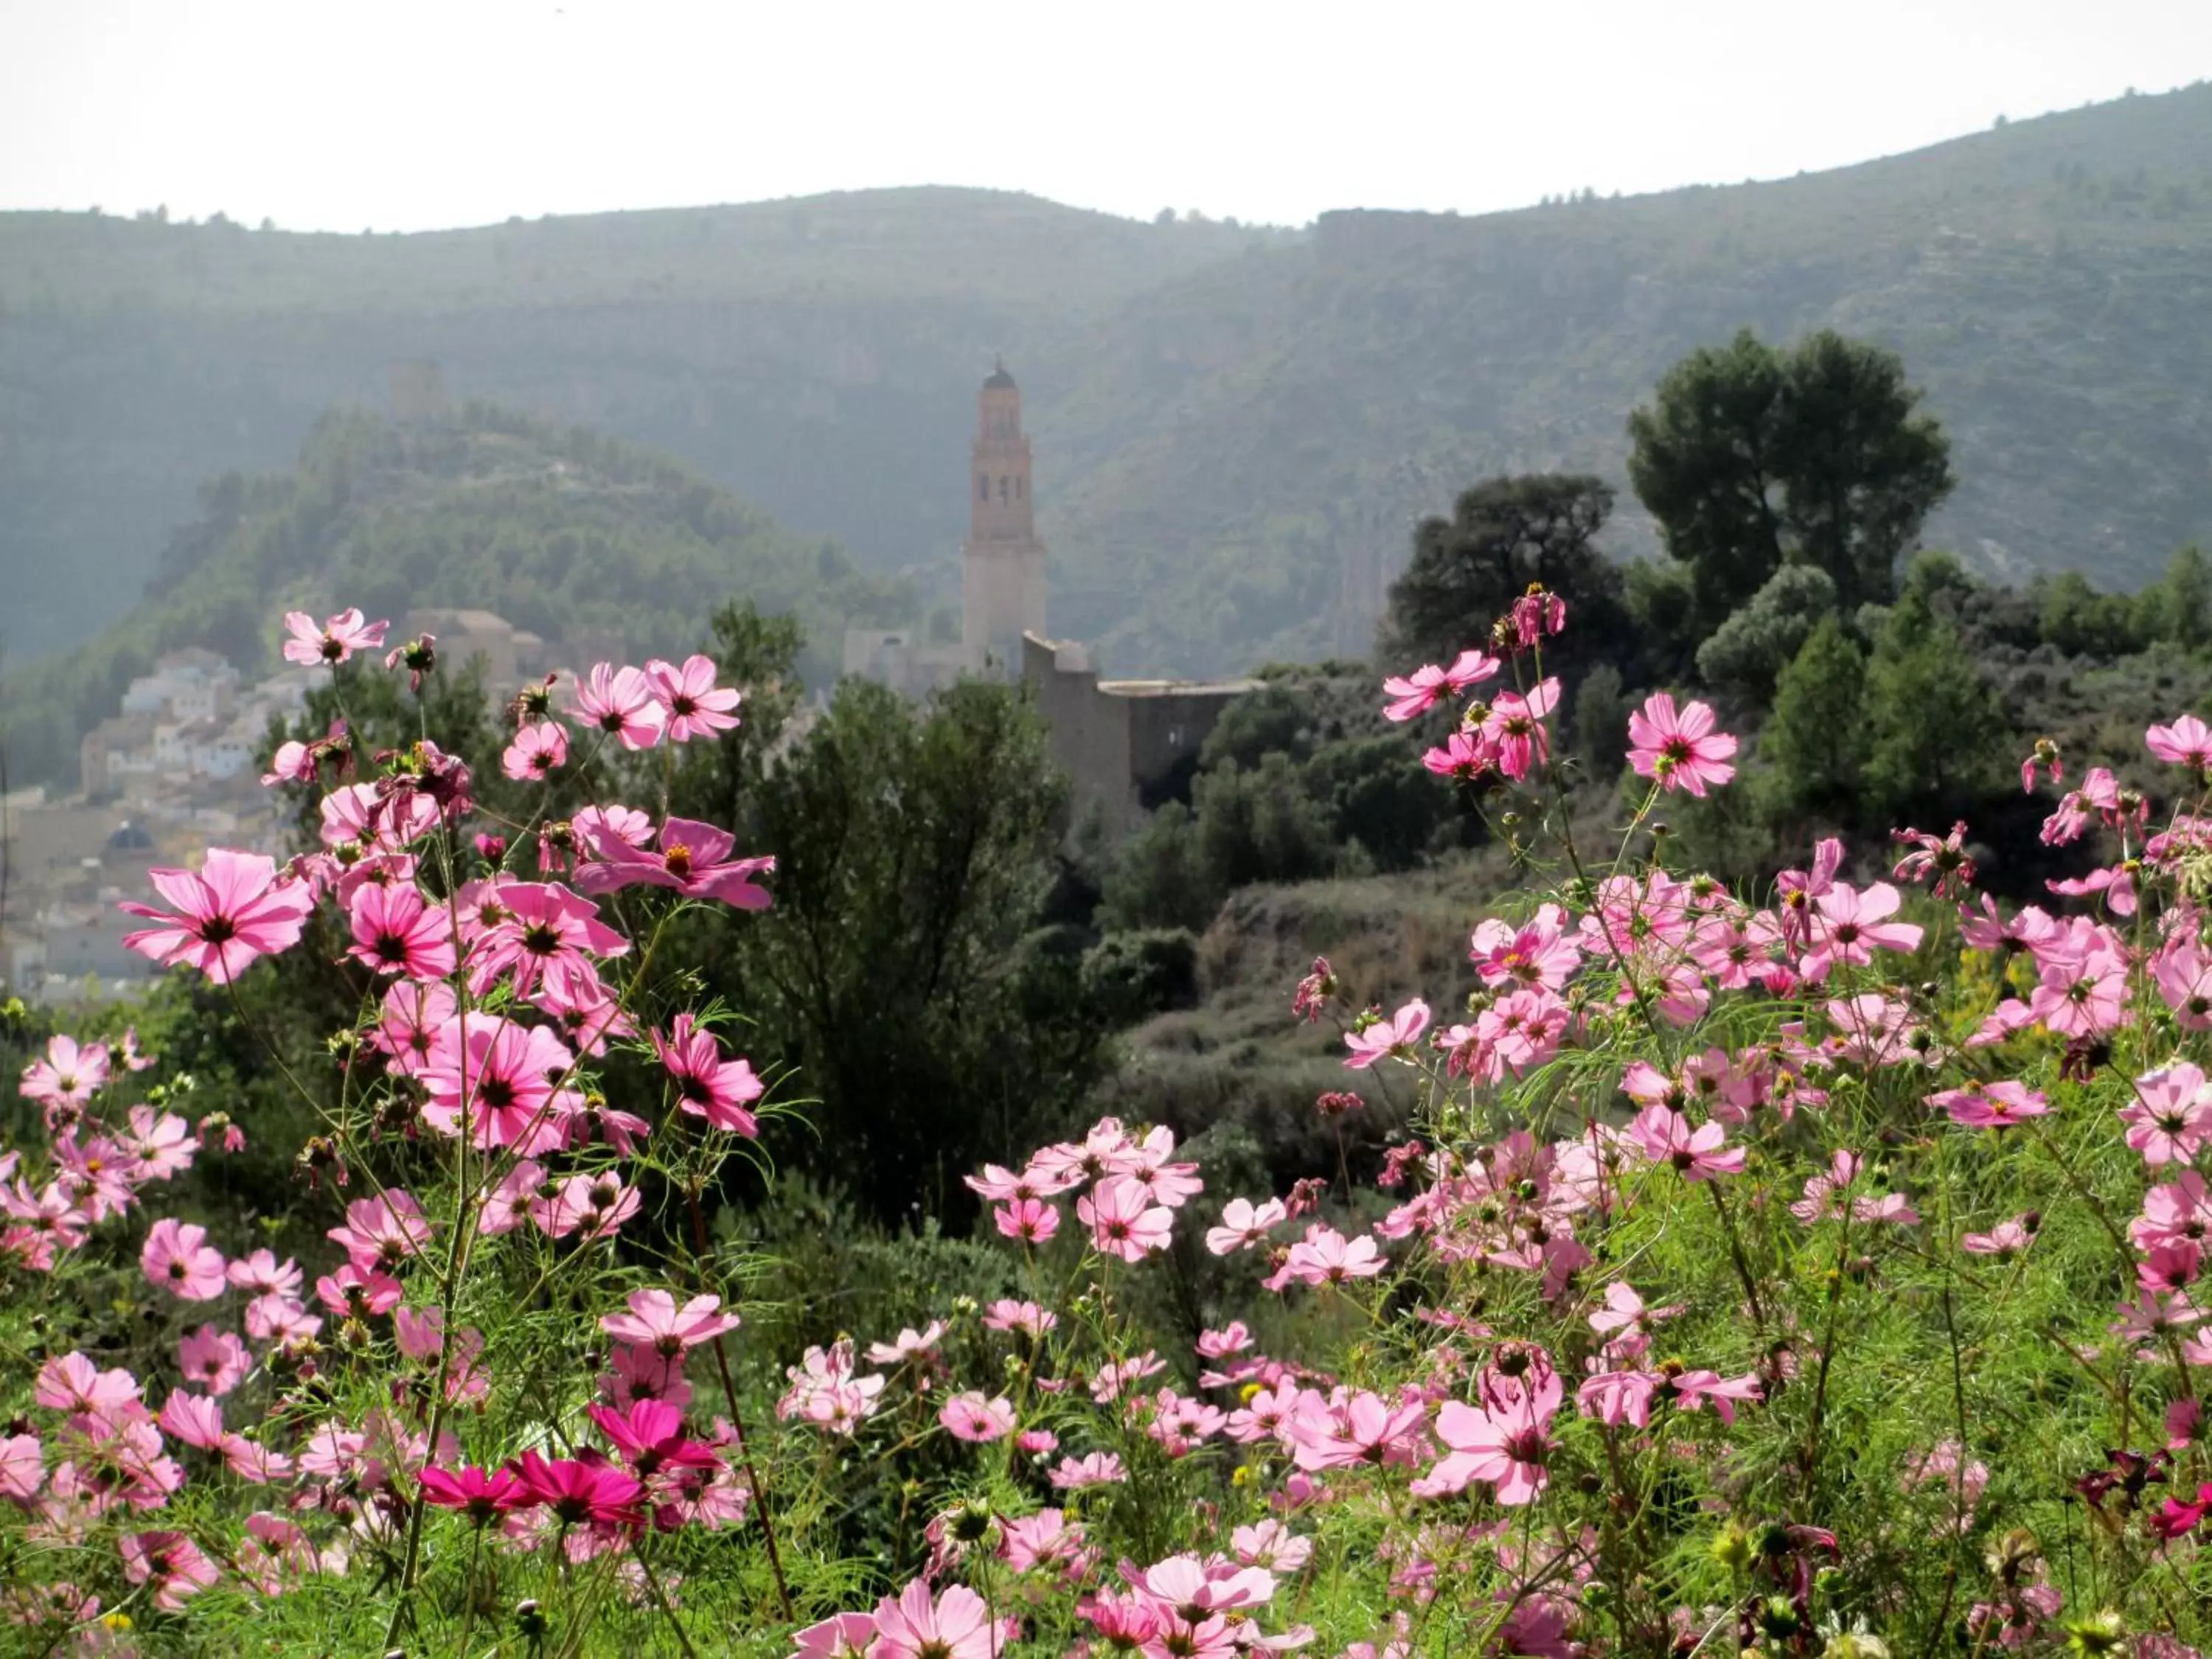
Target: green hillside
{"points": [[577, 538], [1233, 425]]}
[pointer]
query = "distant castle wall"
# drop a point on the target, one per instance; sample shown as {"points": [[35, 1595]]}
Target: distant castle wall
{"points": [[1125, 745]]}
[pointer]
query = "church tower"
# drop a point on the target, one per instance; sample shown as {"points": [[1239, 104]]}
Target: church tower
{"points": [[1002, 566]]}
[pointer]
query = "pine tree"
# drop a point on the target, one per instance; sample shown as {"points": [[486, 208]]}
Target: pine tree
{"points": [[1938, 729], [1817, 742]]}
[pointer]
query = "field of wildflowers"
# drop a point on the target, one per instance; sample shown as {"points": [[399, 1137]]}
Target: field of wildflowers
{"points": [[1803, 1272]]}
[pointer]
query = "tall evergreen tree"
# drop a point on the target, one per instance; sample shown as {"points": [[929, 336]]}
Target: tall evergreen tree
{"points": [[1817, 741], [1937, 727]]}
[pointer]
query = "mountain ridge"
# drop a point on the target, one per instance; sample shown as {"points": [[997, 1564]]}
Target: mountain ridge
{"points": [[1233, 424]]}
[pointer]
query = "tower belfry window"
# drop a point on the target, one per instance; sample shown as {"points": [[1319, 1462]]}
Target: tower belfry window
{"points": [[982, 486]]}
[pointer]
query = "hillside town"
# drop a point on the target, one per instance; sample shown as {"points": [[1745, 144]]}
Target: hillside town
{"points": [[173, 771]]}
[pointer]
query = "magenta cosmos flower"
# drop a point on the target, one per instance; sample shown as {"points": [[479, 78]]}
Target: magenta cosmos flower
{"points": [[334, 641], [696, 707], [620, 702], [1678, 750], [230, 911], [482, 1495], [580, 1489], [178, 1257], [503, 1078], [396, 932], [693, 857], [650, 1437], [711, 1087], [957, 1625]]}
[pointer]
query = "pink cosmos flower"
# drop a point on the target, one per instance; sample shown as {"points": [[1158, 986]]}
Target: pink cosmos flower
{"points": [[1415, 693], [193, 1418], [1980, 1105], [230, 911], [71, 1382], [352, 1292], [1942, 863], [1027, 1318], [482, 1495], [1515, 732], [910, 1346], [1465, 754], [176, 1567], [1503, 1441], [262, 1274], [22, 1469], [2007, 1238], [334, 641], [1272, 1546], [655, 1322], [412, 1015], [621, 702], [163, 1144], [1324, 1256], [1028, 1219], [178, 1257], [694, 858], [648, 1435], [1539, 952], [2182, 969], [695, 706], [1393, 1037], [539, 749], [1096, 1469], [396, 932], [214, 1359], [709, 1086], [2170, 1119], [382, 1231], [596, 1206], [1123, 1220], [957, 1625], [1353, 1430], [502, 1077], [1666, 1137], [1828, 1197], [1244, 1223], [1678, 750], [529, 927], [968, 1416], [1847, 926], [2187, 742], [68, 1075], [840, 1636]]}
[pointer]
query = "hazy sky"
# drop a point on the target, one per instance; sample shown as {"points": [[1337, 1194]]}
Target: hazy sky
{"points": [[407, 114]]}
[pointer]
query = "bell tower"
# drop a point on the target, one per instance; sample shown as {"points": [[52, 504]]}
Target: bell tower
{"points": [[1002, 565]]}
